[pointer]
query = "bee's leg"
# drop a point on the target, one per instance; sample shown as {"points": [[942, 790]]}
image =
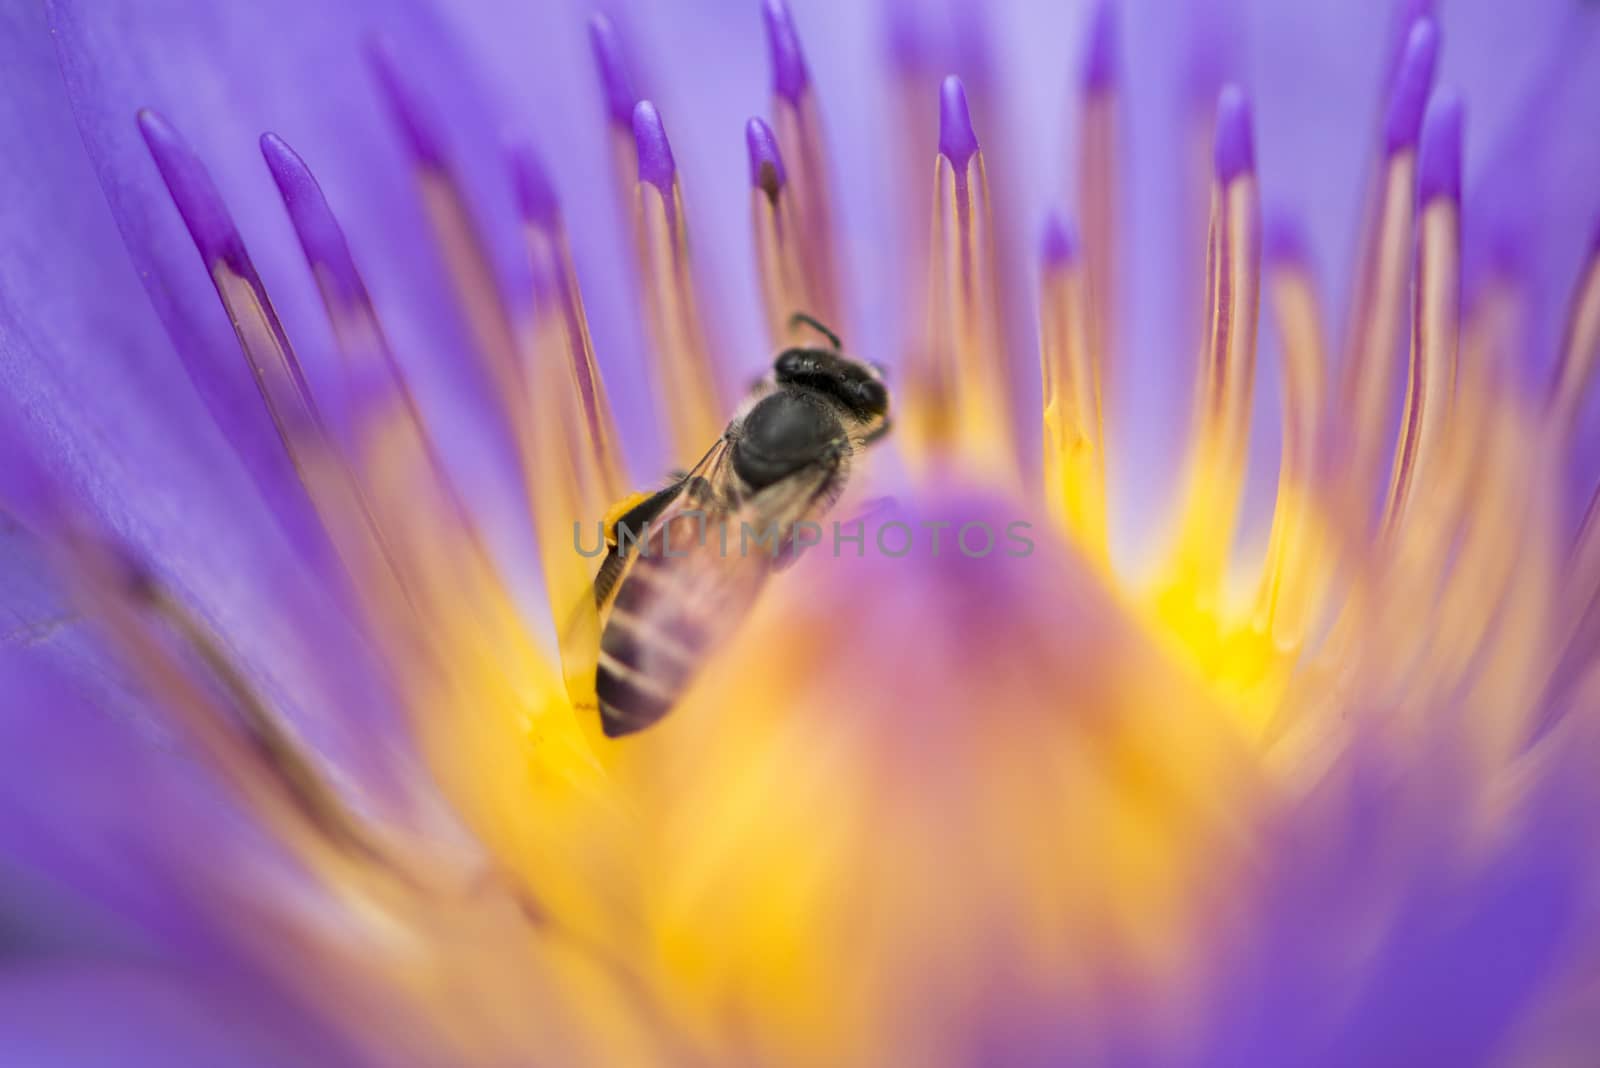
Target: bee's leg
{"points": [[873, 506], [830, 474], [877, 434]]}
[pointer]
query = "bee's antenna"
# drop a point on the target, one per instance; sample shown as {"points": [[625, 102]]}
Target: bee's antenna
{"points": [[799, 318]]}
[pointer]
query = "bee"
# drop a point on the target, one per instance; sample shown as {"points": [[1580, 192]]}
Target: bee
{"points": [[686, 563]]}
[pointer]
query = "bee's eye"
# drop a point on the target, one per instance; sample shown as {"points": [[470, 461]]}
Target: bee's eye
{"points": [[790, 364], [874, 397]]}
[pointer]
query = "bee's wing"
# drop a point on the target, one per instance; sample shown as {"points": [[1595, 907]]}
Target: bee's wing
{"points": [[797, 498], [691, 583], [692, 492], [635, 514]]}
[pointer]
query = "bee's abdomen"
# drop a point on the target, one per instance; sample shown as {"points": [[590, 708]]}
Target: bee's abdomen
{"points": [[649, 652]]}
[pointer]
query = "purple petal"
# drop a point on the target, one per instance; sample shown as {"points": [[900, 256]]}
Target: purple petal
{"points": [[120, 1015], [90, 387], [281, 67]]}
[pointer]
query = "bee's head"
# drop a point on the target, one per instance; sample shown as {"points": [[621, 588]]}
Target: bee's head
{"points": [[855, 386]]}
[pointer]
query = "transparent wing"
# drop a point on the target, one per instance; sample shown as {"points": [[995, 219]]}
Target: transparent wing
{"points": [[690, 583]]}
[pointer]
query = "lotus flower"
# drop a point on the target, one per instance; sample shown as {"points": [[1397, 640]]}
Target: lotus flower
{"points": [[1267, 738]]}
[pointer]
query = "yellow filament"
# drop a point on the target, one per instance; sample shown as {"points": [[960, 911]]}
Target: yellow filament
{"points": [[1367, 393], [1435, 335], [799, 132], [1569, 391], [624, 152], [960, 390], [1582, 579], [1580, 354], [477, 287], [567, 503], [693, 397], [328, 480], [1219, 453], [489, 713], [1074, 435], [1292, 577], [579, 394], [427, 529], [784, 286], [277, 370], [1097, 211]]}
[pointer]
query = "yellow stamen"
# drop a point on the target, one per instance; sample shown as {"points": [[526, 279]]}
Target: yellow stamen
{"points": [[1219, 453], [1291, 577], [1579, 355], [693, 397], [476, 284], [959, 387], [1367, 393], [577, 470], [1582, 581], [1097, 209], [564, 345], [800, 133], [1435, 329], [785, 286], [1074, 434], [330, 483]]}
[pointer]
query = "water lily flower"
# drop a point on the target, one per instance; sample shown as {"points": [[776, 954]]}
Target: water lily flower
{"points": [[1202, 671]]}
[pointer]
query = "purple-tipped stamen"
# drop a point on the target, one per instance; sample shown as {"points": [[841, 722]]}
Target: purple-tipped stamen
{"points": [[789, 75], [1404, 19], [615, 79], [903, 36], [407, 104], [1235, 152], [1100, 60], [321, 237], [1058, 245], [1284, 239], [1440, 167], [1412, 83], [539, 207], [766, 163], [536, 196], [196, 197], [1417, 9], [958, 142], [656, 165], [217, 239]]}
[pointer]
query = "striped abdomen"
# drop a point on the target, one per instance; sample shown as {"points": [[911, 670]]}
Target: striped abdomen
{"points": [[668, 615]]}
